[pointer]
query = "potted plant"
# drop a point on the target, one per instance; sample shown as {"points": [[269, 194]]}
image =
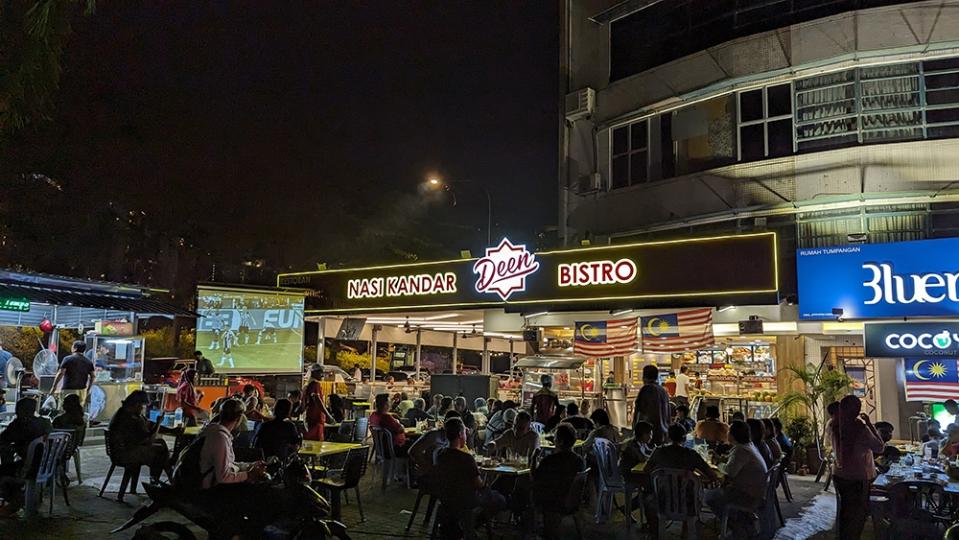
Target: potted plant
{"points": [[821, 386], [799, 430]]}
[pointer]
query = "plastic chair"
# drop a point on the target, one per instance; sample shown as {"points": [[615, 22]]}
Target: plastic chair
{"points": [[51, 449], [72, 451], [131, 472], [571, 504], [610, 481], [384, 453], [784, 478], [761, 513], [344, 433], [918, 509], [361, 425], [538, 427], [679, 497], [338, 481]]}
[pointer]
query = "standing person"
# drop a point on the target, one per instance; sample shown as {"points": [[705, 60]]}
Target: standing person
{"points": [[682, 387], [357, 373], [545, 401], [652, 404], [189, 398], [312, 403], [204, 366], [75, 375], [855, 441]]}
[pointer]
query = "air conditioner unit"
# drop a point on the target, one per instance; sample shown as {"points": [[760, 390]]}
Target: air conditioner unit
{"points": [[589, 183], [580, 104]]}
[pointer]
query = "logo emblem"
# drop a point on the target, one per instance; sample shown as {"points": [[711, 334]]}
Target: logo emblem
{"points": [[942, 339], [504, 269]]}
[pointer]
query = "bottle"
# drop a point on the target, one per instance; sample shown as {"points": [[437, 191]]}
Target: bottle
{"points": [[178, 417]]}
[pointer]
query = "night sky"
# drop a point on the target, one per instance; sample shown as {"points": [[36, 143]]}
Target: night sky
{"points": [[299, 132]]}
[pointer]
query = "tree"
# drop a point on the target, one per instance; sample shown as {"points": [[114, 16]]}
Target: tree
{"points": [[821, 386], [32, 37]]}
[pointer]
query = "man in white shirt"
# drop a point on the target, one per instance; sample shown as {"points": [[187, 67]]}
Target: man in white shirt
{"points": [[682, 387], [230, 485]]}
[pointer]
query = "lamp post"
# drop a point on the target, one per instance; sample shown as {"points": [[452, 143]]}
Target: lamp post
{"points": [[437, 183]]}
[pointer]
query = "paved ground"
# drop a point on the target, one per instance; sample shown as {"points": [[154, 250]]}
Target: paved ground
{"points": [[386, 512]]}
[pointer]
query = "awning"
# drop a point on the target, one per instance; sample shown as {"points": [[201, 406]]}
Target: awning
{"points": [[549, 361], [97, 300]]}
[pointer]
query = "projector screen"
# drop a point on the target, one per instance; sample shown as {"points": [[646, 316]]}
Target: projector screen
{"points": [[251, 331]]}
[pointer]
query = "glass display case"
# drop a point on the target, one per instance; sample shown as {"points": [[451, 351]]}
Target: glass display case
{"points": [[119, 371]]}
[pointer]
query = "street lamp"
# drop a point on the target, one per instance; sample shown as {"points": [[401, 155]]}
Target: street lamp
{"points": [[435, 182]]}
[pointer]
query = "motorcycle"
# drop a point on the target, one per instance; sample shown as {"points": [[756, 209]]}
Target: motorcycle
{"points": [[291, 474]]}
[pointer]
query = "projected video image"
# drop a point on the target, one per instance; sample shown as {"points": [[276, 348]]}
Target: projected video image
{"points": [[250, 331]]}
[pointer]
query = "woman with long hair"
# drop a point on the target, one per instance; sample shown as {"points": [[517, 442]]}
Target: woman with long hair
{"points": [[855, 441]]}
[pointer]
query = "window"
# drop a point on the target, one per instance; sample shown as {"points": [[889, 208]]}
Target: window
{"points": [[630, 152], [704, 135], [765, 122], [874, 104], [941, 79]]}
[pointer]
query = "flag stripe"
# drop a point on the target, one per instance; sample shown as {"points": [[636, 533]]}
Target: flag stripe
{"points": [[694, 328], [621, 338]]}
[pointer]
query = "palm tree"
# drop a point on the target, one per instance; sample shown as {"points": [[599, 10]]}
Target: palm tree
{"points": [[820, 388], [32, 36]]}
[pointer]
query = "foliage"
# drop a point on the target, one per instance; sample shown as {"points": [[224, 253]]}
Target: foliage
{"points": [[24, 343], [159, 343], [345, 358], [799, 430], [820, 388], [32, 38]]}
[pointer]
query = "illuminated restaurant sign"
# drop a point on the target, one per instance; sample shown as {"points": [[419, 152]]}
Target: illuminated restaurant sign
{"points": [[696, 272], [902, 279]]}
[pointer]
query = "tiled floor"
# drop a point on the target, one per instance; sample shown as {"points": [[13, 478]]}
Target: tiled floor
{"points": [[387, 512]]}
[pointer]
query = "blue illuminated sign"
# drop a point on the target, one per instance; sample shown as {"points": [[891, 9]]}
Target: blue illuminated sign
{"points": [[904, 279]]}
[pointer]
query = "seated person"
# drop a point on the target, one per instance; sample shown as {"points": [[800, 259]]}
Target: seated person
{"points": [[712, 430], [230, 486], [381, 418], [404, 405], [745, 470], [72, 417], [771, 442], [553, 477], [336, 409], [434, 410], [757, 434], [294, 397], [931, 424], [890, 454], [479, 405], [462, 488], [501, 421], [581, 424], [14, 440], [137, 438], [674, 456], [423, 450], [933, 436], [636, 449], [785, 444], [520, 440], [417, 413], [603, 430], [683, 419], [279, 436], [459, 405], [949, 445]]}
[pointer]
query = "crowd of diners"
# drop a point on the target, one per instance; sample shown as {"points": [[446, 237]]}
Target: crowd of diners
{"points": [[444, 459]]}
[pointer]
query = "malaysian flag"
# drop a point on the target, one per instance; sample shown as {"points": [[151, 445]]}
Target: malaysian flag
{"points": [[931, 379], [601, 339], [678, 332]]}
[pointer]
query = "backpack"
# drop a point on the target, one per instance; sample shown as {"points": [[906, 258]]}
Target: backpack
{"points": [[187, 474]]}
